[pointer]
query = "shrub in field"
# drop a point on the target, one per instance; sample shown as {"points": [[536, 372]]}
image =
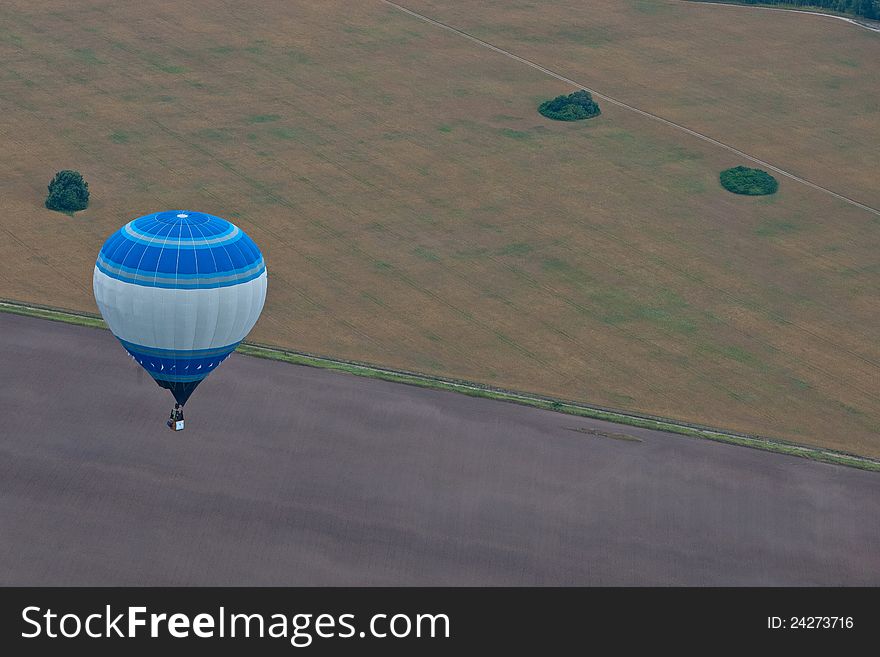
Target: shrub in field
{"points": [[752, 182], [68, 192], [574, 107]]}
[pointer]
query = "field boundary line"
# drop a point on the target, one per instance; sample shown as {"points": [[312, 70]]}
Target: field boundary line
{"points": [[474, 389], [846, 19], [632, 108]]}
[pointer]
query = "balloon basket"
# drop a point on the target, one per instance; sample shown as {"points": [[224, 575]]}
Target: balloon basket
{"points": [[175, 425]]}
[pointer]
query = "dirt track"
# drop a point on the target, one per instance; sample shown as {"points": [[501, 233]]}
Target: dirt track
{"points": [[291, 475]]}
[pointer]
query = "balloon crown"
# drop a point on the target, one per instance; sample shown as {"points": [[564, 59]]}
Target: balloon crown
{"points": [[182, 217]]}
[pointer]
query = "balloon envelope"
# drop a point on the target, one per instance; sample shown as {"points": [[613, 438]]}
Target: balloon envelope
{"points": [[180, 290]]}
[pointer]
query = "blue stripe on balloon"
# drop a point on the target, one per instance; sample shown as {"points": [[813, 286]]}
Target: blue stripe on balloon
{"points": [[107, 265], [143, 350], [186, 231], [178, 379], [207, 223], [173, 236], [199, 223], [179, 258], [182, 284], [180, 367]]}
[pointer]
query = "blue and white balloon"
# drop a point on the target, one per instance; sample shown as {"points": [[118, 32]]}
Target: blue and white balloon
{"points": [[180, 290]]}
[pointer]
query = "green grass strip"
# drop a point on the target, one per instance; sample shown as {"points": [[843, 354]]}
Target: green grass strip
{"points": [[53, 314], [486, 392], [570, 408]]}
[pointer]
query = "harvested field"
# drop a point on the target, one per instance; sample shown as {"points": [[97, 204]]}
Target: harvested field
{"points": [[798, 90], [316, 478], [416, 211]]}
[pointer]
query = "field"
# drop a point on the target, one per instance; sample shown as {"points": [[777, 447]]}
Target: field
{"points": [[417, 212], [364, 482], [800, 91]]}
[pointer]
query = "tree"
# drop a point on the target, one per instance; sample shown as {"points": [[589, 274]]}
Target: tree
{"points": [[751, 182], [867, 8], [574, 107], [68, 192]]}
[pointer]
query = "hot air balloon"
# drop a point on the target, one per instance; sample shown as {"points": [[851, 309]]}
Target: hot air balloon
{"points": [[180, 290]]}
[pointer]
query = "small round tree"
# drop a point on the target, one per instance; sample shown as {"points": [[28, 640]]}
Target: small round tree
{"points": [[751, 182], [574, 107], [68, 192]]}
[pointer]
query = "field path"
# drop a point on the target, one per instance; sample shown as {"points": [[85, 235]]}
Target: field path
{"points": [[619, 103], [851, 21]]}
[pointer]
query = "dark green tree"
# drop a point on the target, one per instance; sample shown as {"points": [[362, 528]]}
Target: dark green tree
{"points": [[864, 8], [751, 182], [574, 107], [68, 192]]}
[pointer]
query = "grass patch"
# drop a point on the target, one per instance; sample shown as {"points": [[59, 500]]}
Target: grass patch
{"points": [[263, 118], [373, 299], [670, 320], [565, 271], [165, 67], [666, 311], [555, 265], [799, 384], [298, 56], [426, 254], [284, 132], [590, 36], [52, 314], [621, 137], [849, 63], [257, 47], [648, 7], [87, 56], [605, 434], [475, 252], [515, 134], [737, 354], [516, 249], [775, 227]]}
